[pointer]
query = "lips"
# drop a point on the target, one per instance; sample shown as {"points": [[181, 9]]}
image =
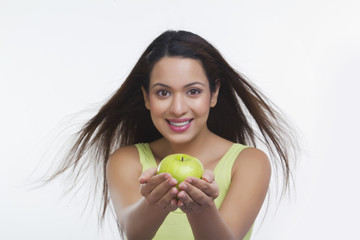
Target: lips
{"points": [[179, 125]]}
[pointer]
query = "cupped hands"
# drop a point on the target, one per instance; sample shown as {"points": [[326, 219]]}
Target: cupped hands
{"points": [[197, 194]]}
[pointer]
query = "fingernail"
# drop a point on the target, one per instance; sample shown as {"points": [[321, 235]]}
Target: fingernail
{"points": [[172, 182], [189, 180], [181, 195], [174, 191], [173, 202], [183, 186], [206, 178]]}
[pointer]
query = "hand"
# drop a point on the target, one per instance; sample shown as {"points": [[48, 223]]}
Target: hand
{"points": [[196, 194], [159, 190]]}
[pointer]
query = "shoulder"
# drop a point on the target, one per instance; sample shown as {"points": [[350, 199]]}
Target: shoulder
{"points": [[123, 155], [250, 179], [123, 163], [127, 151], [252, 162], [123, 171]]}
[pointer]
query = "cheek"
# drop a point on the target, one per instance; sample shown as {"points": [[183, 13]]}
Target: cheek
{"points": [[201, 106], [156, 107]]}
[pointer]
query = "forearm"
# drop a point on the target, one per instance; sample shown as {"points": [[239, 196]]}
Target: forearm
{"points": [[140, 220], [208, 224]]}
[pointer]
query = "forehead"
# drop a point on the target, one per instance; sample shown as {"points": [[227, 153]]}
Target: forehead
{"points": [[178, 70]]}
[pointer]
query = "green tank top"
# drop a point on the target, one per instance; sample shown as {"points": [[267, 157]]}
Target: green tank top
{"points": [[176, 225]]}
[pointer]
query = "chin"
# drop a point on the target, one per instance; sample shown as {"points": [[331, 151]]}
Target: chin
{"points": [[178, 139]]}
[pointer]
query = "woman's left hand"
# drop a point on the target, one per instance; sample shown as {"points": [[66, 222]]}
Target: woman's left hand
{"points": [[196, 194]]}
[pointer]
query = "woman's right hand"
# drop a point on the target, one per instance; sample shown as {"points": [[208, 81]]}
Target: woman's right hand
{"points": [[159, 190]]}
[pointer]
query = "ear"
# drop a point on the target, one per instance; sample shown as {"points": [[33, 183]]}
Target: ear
{"points": [[214, 95], [146, 98]]}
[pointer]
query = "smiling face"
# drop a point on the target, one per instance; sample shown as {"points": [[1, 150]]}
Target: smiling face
{"points": [[179, 99]]}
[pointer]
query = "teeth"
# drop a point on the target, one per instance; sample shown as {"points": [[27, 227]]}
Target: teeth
{"points": [[180, 124]]}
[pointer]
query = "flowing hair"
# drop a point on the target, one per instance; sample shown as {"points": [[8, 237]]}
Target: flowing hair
{"points": [[242, 113]]}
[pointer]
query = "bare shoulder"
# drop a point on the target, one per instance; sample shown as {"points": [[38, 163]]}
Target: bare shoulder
{"points": [[123, 154], [123, 170], [250, 179], [123, 164], [252, 161]]}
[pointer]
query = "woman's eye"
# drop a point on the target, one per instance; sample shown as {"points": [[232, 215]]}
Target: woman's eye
{"points": [[163, 93], [194, 91]]}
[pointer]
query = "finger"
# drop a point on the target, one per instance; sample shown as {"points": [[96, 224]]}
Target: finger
{"points": [[186, 203], [169, 201], [181, 205], [165, 191], [208, 176], [173, 205], [210, 189], [147, 187], [184, 208], [200, 191], [190, 194], [156, 183], [147, 174]]}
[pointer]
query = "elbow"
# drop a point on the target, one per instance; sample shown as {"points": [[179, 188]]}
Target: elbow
{"points": [[126, 232], [129, 233], [245, 233]]}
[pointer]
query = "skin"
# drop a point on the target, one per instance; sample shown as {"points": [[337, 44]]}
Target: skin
{"points": [[179, 89]]}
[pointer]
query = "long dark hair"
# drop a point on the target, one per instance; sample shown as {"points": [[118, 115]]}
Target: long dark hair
{"points": [[242, 113]]}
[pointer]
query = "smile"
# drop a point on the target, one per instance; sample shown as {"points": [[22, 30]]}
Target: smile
{"points": [[179, 125]]}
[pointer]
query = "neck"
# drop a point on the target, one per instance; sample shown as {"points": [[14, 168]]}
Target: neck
{"points": [[193, 147]]}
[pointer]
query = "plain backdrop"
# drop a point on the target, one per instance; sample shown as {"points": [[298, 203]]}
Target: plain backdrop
{"points": [[60, 60]]}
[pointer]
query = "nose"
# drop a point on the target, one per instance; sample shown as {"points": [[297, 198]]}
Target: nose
{"points": [[178, 105]]}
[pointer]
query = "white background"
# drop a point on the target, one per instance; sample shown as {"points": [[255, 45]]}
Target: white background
{"points": [[58, 58]]}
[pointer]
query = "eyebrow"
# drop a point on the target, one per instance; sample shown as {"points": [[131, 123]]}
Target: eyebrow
{"points": [[187, 85]]}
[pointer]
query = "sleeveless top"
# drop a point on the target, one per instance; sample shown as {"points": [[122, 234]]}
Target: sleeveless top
{"points": [[176, 225]]}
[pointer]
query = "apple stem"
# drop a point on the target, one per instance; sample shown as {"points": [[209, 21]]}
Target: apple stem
{"points": [[182, 159]]}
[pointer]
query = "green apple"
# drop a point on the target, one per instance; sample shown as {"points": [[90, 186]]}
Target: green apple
{"points": [[181, 166]]}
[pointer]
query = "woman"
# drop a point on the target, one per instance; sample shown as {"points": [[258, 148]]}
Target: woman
{"points": [[183, 97]]}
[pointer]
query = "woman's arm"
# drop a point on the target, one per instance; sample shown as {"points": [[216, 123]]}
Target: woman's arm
{"points": [[139, 213], [249, 184]]}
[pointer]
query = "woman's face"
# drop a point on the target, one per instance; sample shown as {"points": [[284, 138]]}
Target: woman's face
{"points": [[179, 98]]}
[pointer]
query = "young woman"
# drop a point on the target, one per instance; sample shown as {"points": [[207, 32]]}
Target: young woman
{"points": [[183, 97]]}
